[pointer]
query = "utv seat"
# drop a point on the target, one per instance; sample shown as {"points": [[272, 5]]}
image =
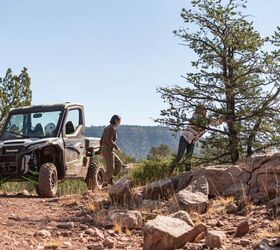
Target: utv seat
{"points": [[69, 128], [38, 130]]}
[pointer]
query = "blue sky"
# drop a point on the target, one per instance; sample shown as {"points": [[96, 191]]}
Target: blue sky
{"points": [[108, 55]]}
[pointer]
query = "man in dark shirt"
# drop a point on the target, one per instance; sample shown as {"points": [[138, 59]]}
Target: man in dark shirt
{"points": [[108, 145]]}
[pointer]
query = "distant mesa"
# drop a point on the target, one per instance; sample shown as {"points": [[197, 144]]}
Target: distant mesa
{"points": [[136, 141]]}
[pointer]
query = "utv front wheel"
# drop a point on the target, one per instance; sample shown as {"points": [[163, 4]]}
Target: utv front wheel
{"points": [[96, 177], [48, 181]]}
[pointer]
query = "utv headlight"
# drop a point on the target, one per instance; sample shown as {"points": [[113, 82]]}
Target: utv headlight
{"points": [[37, 145]]}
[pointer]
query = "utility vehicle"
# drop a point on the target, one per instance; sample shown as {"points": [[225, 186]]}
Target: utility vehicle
{"points": [[46, 144]]}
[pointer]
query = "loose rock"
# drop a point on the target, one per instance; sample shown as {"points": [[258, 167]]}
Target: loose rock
{"points": [[44, 233], [127, 219], [215, 239], [184, 216], [108, 243], [242, 229], [121, 193], [95, 232], [165, 233], [162, 189]]}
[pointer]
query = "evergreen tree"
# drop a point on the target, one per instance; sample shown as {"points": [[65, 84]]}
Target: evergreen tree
{"points": [[234, 76], [14, 92]]}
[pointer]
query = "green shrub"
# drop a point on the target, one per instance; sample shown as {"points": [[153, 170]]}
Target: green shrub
{"points": [[150, 170], [162, 151]]}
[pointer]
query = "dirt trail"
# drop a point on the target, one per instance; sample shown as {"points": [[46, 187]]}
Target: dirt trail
{"points": [[29, 222]]}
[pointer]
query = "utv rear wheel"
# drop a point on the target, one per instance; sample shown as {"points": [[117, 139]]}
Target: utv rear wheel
{"points": [[48, 181], [96, 177]]}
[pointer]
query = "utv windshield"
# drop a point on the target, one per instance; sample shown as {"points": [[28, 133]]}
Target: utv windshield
{"points": [[32, 125]]}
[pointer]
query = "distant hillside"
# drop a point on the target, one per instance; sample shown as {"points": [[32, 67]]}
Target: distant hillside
{"points": [[136, 141]]}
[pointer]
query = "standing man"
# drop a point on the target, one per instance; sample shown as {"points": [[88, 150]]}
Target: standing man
{"points": [[108, 145]]}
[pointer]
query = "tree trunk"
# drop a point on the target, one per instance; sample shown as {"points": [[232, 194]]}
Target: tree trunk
{"points": [[252, 137], [233, 144]]}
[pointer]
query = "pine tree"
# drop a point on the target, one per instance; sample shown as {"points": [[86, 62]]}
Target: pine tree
{"points": [[233, 75], [14, 92]]}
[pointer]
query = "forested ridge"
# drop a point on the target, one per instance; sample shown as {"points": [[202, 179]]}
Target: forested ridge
{"points": [[136, 141]]}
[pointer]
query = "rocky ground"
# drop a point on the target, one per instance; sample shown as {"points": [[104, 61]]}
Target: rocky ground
{"points": [[69, 222], [28, 222], [220, 207]]}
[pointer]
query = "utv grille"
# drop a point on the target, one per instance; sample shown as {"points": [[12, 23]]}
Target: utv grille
{"points": [[8, 165], [11, 150]]}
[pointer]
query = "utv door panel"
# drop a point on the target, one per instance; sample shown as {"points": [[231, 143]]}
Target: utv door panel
{"points": [[74, 142]]}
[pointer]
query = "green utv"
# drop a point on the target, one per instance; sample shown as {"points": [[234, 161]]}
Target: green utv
{"points": [[45, 144]]}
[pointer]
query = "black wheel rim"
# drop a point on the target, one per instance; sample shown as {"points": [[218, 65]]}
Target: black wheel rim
{"points": [[53, 180]]}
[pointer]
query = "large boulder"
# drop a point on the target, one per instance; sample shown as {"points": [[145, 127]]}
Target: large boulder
{"points": [[121, 193], [199, 185], [255, 178], [166, 233], [162, 189], [224, 180], [264, 181], [181, 181], [194, 197]]}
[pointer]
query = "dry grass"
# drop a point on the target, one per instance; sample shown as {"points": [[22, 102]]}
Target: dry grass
{"points": [[101, 193], [158, 211], [73, 201], [53, 244], [196, 217], [90, 207], [174, 202], [250, 207], [272, 232], [128, 232], [218, 206], [118, 228]]}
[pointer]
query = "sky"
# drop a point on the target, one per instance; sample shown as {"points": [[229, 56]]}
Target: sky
{"points": [[110, 56]]}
